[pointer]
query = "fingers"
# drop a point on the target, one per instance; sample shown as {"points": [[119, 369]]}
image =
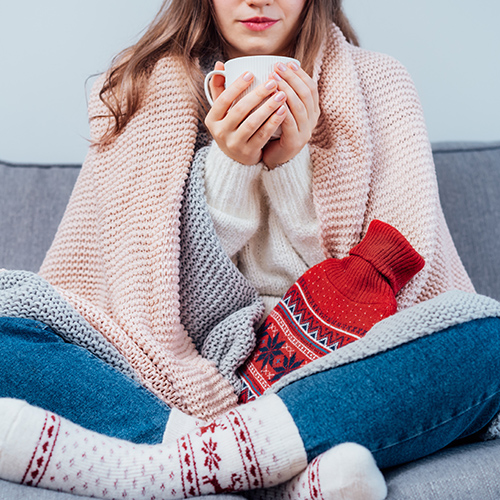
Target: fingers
{"points": [[228, 105], [249, 113], [242, 126], [225, 99], [301, 90], [260, 125], [217, 82]]}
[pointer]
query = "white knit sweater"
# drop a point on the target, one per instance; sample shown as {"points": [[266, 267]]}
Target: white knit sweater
{"points": [[265, 220]]}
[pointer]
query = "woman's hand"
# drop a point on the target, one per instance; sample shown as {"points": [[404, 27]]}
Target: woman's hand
{"points": [[297, 128], [240, 130]]}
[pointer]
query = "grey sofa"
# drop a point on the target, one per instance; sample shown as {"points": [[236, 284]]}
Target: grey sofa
{"points": [[32, 201]]}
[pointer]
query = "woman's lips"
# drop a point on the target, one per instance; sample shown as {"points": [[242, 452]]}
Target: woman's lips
{"points": [[259, 23]]}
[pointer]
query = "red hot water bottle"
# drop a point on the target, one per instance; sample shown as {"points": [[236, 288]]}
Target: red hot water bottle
{"points": [[333, 304]]}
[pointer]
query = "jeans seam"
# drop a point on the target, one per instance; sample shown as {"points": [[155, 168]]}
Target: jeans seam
{"points": [[444, 422]]}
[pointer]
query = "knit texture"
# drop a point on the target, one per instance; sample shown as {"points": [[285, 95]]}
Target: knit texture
{"points": [[372, 160], [221, 324], [265, 220], [115, 257], [333, 304], [27, 295]]}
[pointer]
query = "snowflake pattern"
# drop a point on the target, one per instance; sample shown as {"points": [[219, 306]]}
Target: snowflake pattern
{"points": [[288, 366], [268, 352], [212, 459]]}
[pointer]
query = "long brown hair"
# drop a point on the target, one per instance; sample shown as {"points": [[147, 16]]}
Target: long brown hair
{"points": [[188, 29]]}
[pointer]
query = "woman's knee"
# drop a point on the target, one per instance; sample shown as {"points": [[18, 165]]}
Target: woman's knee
{"points": [[23, 330]]}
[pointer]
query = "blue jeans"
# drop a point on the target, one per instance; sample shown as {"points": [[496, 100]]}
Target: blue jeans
{"points": [[402, 404], [38, 366], [407, 402]]}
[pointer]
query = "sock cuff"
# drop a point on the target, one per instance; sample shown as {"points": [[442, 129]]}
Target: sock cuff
{"points": [[272, 428], [179, 424], [386, 249], [17, 456]]}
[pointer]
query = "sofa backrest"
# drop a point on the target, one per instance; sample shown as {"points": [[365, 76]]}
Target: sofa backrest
{"points": [[469, 187], [33, 198], [32, 203]]}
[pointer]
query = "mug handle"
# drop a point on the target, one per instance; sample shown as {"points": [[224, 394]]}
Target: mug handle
{"points": [[207, 81]]}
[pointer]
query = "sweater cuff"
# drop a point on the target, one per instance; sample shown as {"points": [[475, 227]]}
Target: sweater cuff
{"points": [[231, 187], [290, 187]]}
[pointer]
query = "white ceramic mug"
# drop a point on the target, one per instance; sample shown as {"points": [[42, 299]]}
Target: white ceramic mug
{"points": [[260, 66]]}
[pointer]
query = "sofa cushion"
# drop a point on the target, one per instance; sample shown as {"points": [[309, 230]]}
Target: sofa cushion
{"points": [[469, 183], [11, 491], [456, 473], [32, 202]]}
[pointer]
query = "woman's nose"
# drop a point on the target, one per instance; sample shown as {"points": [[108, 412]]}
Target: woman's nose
{"points": [[259, 3]]}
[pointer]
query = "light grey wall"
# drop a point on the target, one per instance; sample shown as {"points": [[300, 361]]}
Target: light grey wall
{"points": [[452, 50], [48, 49]]}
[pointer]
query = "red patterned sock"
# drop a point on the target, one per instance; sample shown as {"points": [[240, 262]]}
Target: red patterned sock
{"points": [[333, 304], [253, 446]]}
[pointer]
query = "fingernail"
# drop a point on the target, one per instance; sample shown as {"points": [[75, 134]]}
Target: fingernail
{"points": [[270, 85], [294, 66], [281, 67], [277, 77], [281, 111], [279, 96], [247, 76]]}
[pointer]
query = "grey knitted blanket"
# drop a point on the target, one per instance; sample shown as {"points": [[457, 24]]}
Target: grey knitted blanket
{"points": [[220, 308], [26, 295]]}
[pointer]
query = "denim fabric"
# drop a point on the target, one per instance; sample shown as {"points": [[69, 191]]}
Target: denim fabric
{"points": [[39, 367], [407, 402]]}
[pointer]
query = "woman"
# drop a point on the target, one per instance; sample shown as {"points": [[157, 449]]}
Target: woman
{"points": [[150, 267]]}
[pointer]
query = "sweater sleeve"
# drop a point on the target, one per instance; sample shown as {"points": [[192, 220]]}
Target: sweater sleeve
{"points": [[289, 189], [233, 198]]}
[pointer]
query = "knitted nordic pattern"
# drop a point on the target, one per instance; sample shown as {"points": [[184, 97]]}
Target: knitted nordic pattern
{"points": [[447, 310], [220, 324], [26, 295], [333, 304], [116, 254]]}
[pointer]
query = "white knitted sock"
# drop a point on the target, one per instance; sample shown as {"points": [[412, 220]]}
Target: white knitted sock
{"points": [[179, 424], [345, 472], [254, 446]]}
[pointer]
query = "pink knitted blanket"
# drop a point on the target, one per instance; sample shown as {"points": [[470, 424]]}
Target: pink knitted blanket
{"points": [[115, 257]]}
